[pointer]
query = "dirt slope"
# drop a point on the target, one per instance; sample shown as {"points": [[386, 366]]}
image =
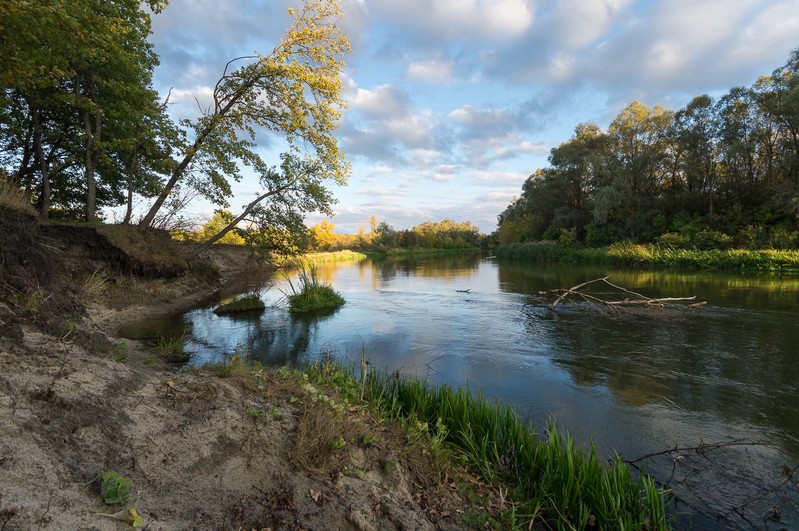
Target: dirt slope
{"points": [[202, 452]]}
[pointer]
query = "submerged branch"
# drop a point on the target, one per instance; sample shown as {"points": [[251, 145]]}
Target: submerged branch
{"points": [[616, 300]]}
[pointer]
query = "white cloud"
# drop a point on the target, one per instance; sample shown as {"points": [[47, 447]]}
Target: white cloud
{"points": [[436, 71], [385, 101], [459, 19]]}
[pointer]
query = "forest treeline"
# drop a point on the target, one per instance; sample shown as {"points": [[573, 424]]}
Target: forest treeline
{"points": [[382, 238], [718, 173]]}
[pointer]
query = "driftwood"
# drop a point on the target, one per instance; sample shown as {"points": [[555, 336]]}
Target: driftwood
{"points": [[617, 300]]}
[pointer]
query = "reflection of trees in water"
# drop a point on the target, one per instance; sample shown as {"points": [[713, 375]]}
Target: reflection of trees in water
{"points": [[738, 366], [445, 266], [755, 292], [286, 345]]}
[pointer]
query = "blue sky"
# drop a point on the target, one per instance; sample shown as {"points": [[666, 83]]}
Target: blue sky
{"points": [[453, 103]]}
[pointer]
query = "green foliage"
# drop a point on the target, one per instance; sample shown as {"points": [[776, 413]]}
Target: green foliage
{"points": [[250, 302], [114, 488], [553, 482], [214, 225], [700, 178], [171, 348], [312, 295], [656, 256]]}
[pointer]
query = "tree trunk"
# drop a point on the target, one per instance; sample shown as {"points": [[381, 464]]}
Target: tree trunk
{"points": [[93, 138], [44, 203], [131, 173], [190, 154]]}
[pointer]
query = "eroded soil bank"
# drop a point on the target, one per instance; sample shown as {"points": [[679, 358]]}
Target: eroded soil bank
{"points": [[202, 451]]}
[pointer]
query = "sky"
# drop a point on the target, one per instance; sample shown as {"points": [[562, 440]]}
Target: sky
{"points": [[452, 104]]}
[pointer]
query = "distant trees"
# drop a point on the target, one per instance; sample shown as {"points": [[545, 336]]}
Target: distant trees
{"points": [[446, 234], [723, 167]]}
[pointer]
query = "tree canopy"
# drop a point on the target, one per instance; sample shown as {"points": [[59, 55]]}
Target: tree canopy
{"points": [[717, 172], [81, 127]]}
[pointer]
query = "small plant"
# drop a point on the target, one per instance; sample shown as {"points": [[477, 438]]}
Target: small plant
{"points": [[254, 412], [312, 294], [339, 443], [171, 348], [114, 488], [93, 285], [118, 354], [371, 440], [389, 466]]}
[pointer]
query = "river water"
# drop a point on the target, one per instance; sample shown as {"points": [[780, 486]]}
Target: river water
{"points": [[725, 373]]}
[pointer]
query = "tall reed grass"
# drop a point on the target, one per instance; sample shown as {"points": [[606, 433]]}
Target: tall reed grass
{"points": [[567, 486]]}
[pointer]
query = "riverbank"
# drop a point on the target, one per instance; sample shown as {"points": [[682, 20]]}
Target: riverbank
{"points": [[231, 445], [625, 254]]}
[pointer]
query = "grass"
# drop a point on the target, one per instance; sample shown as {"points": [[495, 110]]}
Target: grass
{"points": [[543, 482], [171, 348], [656, 257], [243, 303], [311, 294], [14, 198], [549, 480]]}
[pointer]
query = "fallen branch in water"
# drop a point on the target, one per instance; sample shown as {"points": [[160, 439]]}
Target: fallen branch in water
{"points": [[617, 299]]}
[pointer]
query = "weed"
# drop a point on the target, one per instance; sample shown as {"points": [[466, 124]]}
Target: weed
{"points": [[118, 352], [253, 412], [15, 198], [339, 443], [370, 440], [114, 488], [389, 466], [171, 348], [150, 361], [30, 302], [93, 285]]}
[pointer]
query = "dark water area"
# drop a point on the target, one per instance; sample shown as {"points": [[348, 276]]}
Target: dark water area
{"points": [[725, 373]]}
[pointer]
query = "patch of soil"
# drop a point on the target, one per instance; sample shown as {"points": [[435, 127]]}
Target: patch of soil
{"points": [[202, 452]]}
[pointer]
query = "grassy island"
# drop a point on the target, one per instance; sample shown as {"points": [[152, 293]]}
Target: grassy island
{"points": [[311, 294], [243, 303]]}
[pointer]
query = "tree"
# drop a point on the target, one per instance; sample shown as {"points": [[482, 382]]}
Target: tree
{"points": [[276, 215], [322, 237], [294, 90], [71, 72]]}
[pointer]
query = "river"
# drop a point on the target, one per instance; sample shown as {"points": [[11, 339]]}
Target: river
{"points": [[724, 373]]}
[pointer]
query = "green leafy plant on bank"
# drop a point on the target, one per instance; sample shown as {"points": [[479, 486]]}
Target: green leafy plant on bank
{"points": [[311, 294]]}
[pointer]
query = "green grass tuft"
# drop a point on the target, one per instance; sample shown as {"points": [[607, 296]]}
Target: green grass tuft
{"points": [[244, 303], [312, 295]]}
